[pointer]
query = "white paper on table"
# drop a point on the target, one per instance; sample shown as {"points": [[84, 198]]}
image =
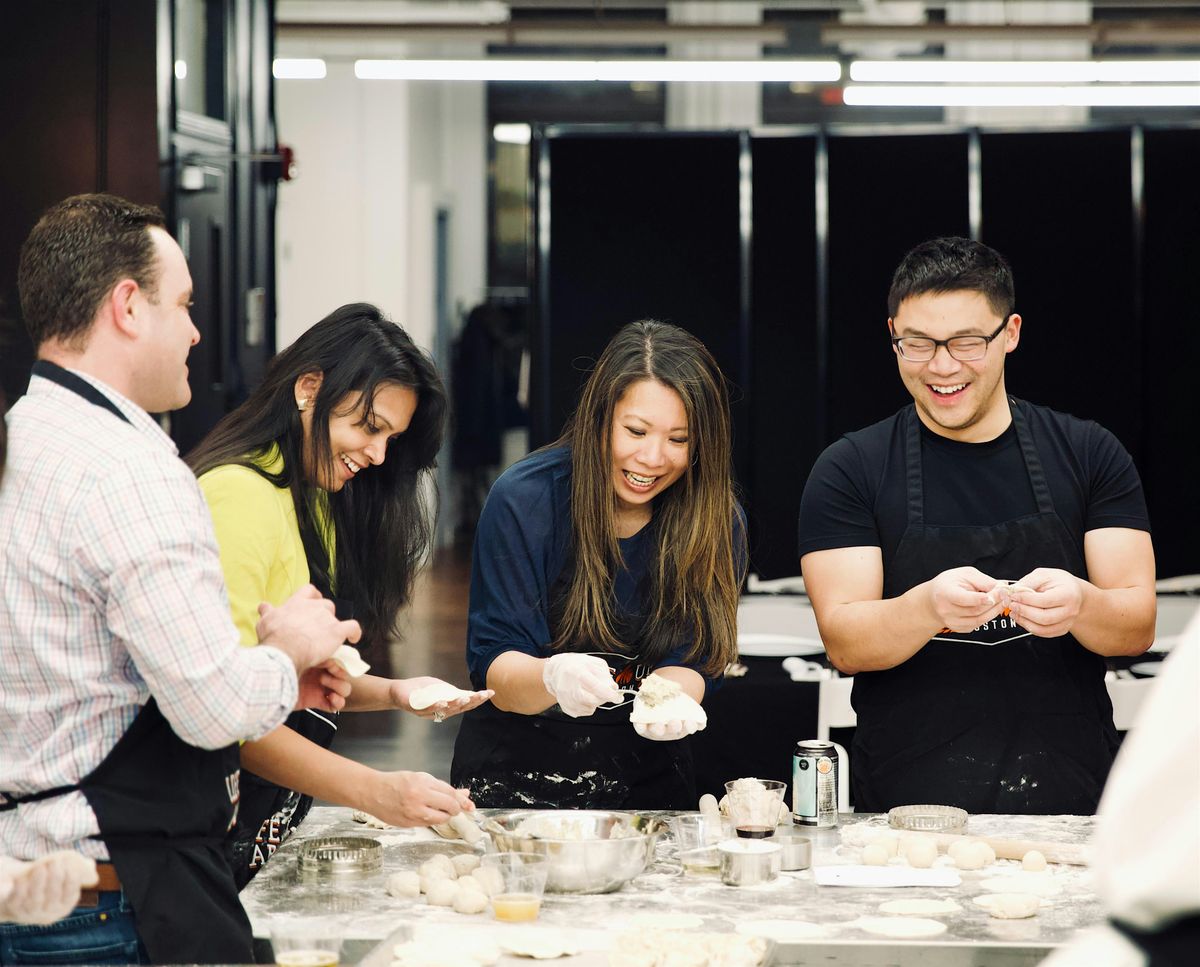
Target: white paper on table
{"points": [[872, 876]]}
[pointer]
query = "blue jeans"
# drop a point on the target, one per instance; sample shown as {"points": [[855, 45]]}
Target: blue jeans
{"points": [[103, 934]]}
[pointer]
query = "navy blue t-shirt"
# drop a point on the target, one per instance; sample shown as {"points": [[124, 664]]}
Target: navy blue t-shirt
{"points": [[856, 493], [522, 544]]}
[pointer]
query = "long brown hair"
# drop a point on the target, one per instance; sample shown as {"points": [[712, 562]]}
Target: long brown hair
{"points": [[695, 577], [382, 520]]}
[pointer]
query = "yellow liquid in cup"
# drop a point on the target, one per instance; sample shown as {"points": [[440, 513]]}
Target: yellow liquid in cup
{"points": [[307, 958], [516, 907]]}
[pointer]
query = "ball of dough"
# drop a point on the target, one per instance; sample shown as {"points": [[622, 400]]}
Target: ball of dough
{"points": [[1033, 861], [890, 842], [441, 892], [439, 865], [464, 862], [958, 846], [875, 854], [1009, 906], [490, 879], [404, 884], [468, 899], [921, 853], [974, 856]]}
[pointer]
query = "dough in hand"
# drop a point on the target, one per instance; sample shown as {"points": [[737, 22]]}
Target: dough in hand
{"points": [[466, 828], [404, 884], [469, 899], [348, 657], [436, 692], [464, 862], [1033, 861], [875, 854], [1009, 906], [441, 892]]}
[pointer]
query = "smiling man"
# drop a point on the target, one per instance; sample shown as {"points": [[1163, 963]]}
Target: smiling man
{"points": [[971, 560]]}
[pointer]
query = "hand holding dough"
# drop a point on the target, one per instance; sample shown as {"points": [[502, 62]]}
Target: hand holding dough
{"points": [[438, 691], [348, 657], [44, 890]]}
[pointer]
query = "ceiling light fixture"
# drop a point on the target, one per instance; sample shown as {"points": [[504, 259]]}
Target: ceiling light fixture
{"points": [[598, 70], [1096, 95], [298, 68], [1016, 72]]}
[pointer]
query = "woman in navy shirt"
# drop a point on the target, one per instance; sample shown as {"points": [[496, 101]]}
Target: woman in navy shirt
{"points": [[614, 553]]}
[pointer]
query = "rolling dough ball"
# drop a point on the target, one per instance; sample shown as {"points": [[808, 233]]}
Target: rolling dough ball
{"points": [[464, 862], [404, 884], [441, 893], [468, 899], [490, 879], [921, 852], [875, 854], [466, 829], [439, 865], [1033, 861], [1009, 906]]}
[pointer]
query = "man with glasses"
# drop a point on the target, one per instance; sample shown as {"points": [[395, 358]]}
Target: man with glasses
{"points": [[972, 560]]}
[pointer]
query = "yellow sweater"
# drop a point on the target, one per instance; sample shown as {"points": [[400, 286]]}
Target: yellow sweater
{"points": [[258, 537]]}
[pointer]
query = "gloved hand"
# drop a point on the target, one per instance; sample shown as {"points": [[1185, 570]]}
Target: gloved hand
{"points": [[670, 731], [46, 889], [579, 683]]}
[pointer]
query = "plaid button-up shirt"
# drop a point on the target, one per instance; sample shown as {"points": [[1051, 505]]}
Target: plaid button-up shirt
{"points": [[110, 591]]}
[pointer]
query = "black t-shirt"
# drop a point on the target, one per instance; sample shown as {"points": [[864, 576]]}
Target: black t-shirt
{"points": [[855, 495]]}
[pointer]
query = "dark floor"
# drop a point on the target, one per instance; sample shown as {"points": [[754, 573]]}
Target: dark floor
{"points": [[434, 643]]}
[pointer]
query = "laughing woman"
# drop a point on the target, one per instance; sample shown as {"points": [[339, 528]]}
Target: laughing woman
{"points": [[320, 477], [617, 551]]}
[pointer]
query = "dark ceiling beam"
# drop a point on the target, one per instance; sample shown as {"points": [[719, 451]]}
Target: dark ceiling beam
{"points": [[1105, 33], [598, 33]]}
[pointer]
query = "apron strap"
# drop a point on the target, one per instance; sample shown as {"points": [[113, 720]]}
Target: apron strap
{"points": [[1033, 463], [81, 387], [912, 468], [11, 801]]}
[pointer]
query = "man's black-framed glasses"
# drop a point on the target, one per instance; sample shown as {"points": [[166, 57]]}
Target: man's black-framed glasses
{"points": [[921, 349]]}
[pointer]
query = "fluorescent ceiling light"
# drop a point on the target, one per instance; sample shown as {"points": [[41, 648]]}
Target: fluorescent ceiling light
{"points": [[181, 70], [512, 133], [298, 68], [1031, 71], [598, 70], [1054, 96]]}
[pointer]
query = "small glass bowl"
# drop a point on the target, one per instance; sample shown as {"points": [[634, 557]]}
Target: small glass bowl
{"points": [[928, 818]]}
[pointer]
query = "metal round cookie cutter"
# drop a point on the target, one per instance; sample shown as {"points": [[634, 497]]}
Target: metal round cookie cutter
{"points": [[341, 855]]}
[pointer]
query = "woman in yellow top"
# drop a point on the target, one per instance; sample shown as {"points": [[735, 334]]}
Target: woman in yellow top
{"points": [[322, 476]]}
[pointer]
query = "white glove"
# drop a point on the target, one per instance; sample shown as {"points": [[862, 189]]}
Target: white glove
{"points": [[46, 889], [579, 683], [669, 731]]}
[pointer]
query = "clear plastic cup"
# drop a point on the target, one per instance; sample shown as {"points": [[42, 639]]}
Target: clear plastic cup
{"points": [[524, 882], [754, 806], [696, 838], [305, 942]]}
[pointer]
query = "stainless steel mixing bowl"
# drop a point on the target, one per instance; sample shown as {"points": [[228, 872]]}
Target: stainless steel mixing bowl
{"points": [[590, 859]]}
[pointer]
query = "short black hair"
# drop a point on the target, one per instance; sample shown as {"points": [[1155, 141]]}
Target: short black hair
{"points": [[954, 264], [76, 253]]}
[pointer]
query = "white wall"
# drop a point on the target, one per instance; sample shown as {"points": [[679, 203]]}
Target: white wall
{"points": [[376, 159]]}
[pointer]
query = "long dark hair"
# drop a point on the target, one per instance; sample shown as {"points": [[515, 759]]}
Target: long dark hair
{"points": [[694, 585], [383, 519]]}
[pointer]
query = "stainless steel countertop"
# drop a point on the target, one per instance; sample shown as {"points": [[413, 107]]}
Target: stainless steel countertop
{"points": [[363, 911]]}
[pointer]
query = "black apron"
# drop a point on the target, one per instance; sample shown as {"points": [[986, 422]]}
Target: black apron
{"points": [[553, 761], [994, 720], [269, 813], [164, 808]]}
